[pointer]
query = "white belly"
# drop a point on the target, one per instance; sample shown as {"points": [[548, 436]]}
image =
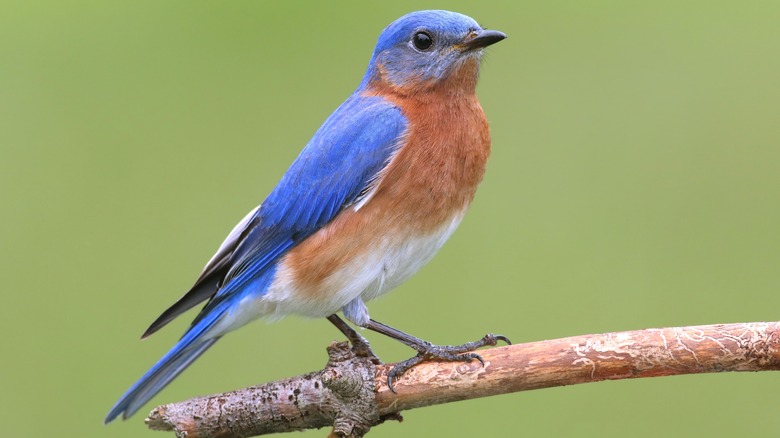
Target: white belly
{"points": [[384, 265]]}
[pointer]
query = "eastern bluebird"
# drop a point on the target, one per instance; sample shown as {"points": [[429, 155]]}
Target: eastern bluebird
{"points": [[371, 198]]}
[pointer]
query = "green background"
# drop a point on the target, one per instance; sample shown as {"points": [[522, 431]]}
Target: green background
{"points": [[634, 183]]}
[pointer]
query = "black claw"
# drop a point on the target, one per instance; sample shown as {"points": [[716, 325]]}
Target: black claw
{"points": [[491, 339], [453, 353], [400, 368], [390, 383]]}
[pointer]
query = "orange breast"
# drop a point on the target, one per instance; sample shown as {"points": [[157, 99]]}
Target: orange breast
{"points": [[431, 178]]}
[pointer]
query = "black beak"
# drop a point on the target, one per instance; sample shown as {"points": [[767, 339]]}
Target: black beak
{"points": [[480, 39]]}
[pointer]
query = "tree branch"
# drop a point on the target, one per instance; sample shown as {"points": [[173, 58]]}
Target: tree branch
{"points": [[351, 393]]}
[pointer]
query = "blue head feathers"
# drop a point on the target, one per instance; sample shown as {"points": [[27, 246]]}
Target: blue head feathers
{"points": [[426, 46]]}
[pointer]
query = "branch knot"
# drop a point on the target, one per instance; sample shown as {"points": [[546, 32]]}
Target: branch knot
{"points": [[351, 380]]}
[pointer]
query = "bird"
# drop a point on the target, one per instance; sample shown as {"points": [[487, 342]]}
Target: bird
{"points": [[375, 193]]}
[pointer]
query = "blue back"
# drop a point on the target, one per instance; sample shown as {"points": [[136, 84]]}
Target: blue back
{"points": [[339, 163]]}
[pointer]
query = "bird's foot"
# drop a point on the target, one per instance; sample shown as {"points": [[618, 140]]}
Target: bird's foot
{"points": [[361, 348], [452, 353], [360, 345]]}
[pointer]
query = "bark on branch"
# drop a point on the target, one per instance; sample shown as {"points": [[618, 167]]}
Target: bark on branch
{"points": [[351, 393]]}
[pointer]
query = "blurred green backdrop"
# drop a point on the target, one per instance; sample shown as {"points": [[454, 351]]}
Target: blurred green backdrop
{"points": [[634, 183]]}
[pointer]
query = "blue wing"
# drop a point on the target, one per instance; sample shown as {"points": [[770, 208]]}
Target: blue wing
{"points": [[353, 145], [339, 162], [337, 165]]}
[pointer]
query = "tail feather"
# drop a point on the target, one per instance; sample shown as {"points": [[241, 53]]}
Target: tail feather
{"points": [[189, 348]]}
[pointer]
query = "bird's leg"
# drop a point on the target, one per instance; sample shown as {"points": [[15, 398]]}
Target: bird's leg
{"points": [[428, 351], [360, 345]]}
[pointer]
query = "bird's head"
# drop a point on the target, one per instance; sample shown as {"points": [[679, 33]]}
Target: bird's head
{"points": [[425, 49]]}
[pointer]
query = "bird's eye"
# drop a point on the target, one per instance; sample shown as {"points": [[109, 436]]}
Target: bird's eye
{"points": [[422, 41]]}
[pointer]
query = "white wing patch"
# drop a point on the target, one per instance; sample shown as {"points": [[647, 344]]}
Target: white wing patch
{"points": [[229, 245]]}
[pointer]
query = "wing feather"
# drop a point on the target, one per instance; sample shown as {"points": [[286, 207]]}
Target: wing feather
{"points": [[209, 280]]}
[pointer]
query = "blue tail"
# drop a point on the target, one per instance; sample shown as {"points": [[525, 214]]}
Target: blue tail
{"points": [[189, 348]]}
